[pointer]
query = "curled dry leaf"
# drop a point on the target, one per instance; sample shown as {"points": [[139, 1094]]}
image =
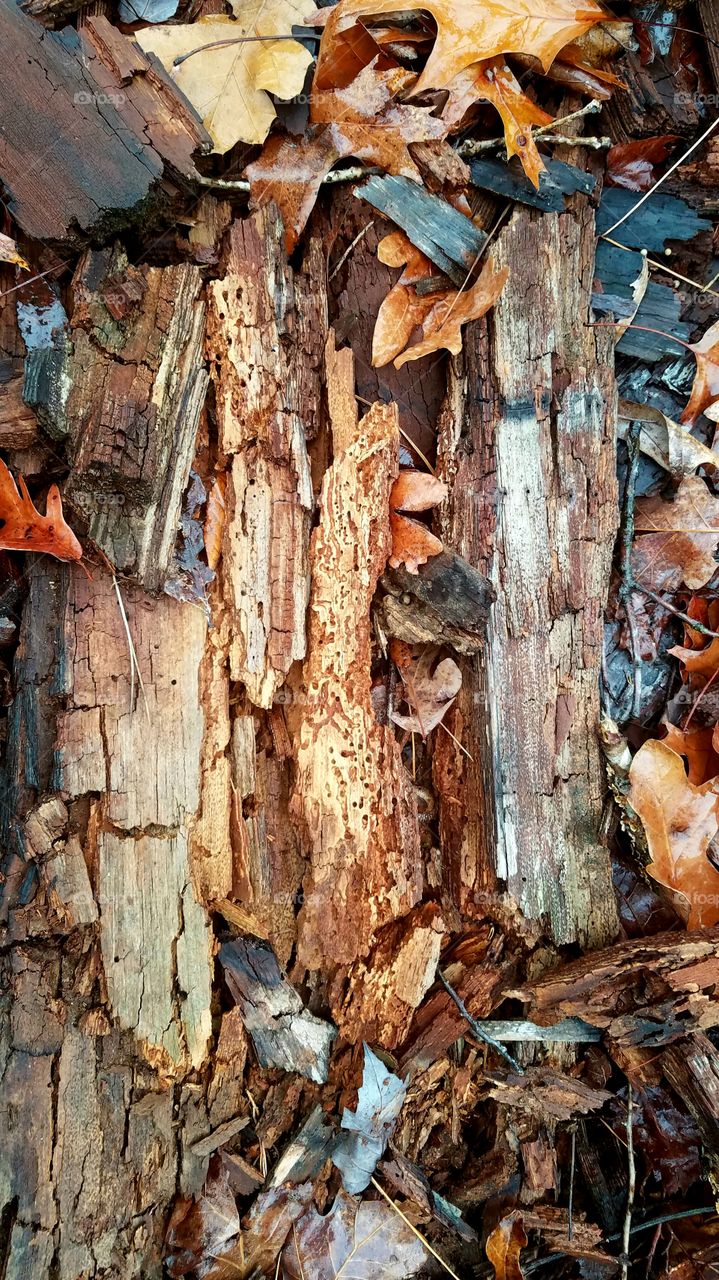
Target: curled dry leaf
{"points": [[403, 310], [9, 252], [631, 164], [665, 442], [369, 1127], [467, 31], [680, 821], [442, 327], [412, 542], [358, 1239], [430, 689], [679, 539], [363, 121], [705, 389], [639, 288], [22, 528], [492, 81], [228, 79], [504, 1246]]}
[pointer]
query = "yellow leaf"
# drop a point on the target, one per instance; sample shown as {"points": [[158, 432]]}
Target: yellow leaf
{"points": [[228, 83], [9, 252]]}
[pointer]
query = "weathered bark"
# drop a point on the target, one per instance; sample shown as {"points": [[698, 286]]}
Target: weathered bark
{"points": [[528, 449]]}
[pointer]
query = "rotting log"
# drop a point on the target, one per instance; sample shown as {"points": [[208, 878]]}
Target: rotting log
{"points": [[527, 447]]}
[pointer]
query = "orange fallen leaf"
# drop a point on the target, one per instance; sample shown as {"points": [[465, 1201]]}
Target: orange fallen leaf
{"points": [[362, 120], [679, 539], [442, 327], [468, 31], [680, 821], [215, 520], [504, 1246], [492, 81], [24, 529], [697, 747], [403, 310], [412, 542], [705, 389]]}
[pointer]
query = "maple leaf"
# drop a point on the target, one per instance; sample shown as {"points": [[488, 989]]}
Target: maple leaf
{"points": [[403, 310], [227, 81], [468, 31], [705, 389], [679, 538], [256, 1249], [357, 1239], [430, 689], [363, 121], [680, 821], [369, 1127], [9, 252], [412, 542], [24, 529], [442, 327], [492, 81], [504, 1246]]}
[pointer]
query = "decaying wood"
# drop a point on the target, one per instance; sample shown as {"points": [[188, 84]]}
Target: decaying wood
{"points": [[530, 461], [138, 383], [267, 329], [113, 159], [447, 237], [352, 796]]}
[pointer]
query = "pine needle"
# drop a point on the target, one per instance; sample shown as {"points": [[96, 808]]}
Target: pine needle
{"points": [[416, 1230], [134, 664]]}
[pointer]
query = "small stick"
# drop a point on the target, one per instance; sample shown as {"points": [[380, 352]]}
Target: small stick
{"points": [[377, 1186], [477, 1027], [626, 1233], [691, 622], [360, 236], [627, 584], [134, 664], [658, 183]]}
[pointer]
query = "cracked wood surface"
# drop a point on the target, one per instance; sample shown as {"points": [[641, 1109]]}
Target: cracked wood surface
{"points": [[528, 450]]}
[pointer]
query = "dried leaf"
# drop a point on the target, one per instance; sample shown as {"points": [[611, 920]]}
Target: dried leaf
{"points": [[504, 1247], [705, 389], [665, 1136], [22, 528], [403, 310], [412, 542], [215, 520], [364, 121], [198, 1229], [358, 1239], [665, 442], [229, 84], [467, 31], [370, 1125], [442, 327], [266, 1228], [430, 689], [631, 164], [680, 821], [639, 288], [9, 253], [493, 81], [679, 538], [695, 745]]}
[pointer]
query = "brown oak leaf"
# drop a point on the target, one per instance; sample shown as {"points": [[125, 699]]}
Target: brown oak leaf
{"points": [[412, 542], [22, 528]]}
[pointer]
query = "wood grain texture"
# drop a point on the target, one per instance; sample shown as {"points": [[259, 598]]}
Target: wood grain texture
{"points": [[352, 796], [528, 450]]}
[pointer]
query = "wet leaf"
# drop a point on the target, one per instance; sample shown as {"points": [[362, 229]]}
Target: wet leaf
{"points": [[706, 379], [356, 1240], [680, 821], [504, 1247], [631, 164], [665, 442], [229, 83], [370, 1126], [666, 1138], [679, 538], [412, 542], [492, 81], [430, 689], [403, 310], [22, 528], [9, 253], [198, 1229], [266, 1228], [468, 32], [695, 744], [442, 327], [364, 121]]}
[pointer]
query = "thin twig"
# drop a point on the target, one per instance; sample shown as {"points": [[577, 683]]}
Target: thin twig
{"points": [[658, 183], [627, 583], [442, 725], [134, 664], [360, 236], [378, 1187], [570, 1206], [631, 1183], [691, 622], [477, 1028]]}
